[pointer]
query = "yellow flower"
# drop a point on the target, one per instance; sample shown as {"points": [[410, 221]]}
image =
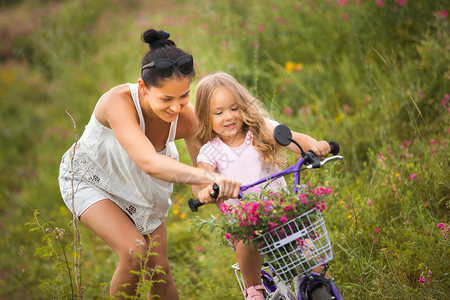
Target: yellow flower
{"points": [[62, 210], [182, 215], [349, 217], [176, 211], [290, 66], [396, 175], [338, 118]]}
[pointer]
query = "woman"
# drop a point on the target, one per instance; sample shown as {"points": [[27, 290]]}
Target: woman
{"points": [[123, 165]]}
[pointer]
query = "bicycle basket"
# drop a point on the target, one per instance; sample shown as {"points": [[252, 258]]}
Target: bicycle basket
{"points": [[297, 246]]}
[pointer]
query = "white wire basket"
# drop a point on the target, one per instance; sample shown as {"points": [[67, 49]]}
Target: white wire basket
{"points": [[297, 246]]}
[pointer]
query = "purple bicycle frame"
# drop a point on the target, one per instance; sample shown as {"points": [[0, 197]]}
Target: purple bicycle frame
{"points": [[292, 169]]}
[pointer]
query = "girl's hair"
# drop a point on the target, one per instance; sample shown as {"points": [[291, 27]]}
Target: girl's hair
{"points": [[160, 47], [253, 115]]}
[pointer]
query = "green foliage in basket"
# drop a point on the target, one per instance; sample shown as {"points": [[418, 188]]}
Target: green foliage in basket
{"points": [[262, 211]]}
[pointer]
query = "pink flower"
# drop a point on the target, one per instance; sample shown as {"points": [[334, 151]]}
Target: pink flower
{"points": [[380, 3], [442, 14], [227, 236], [376, 230], [369, 202], [412, 176], [287, 111], [283, 219], [341, 2], [401, 2]]}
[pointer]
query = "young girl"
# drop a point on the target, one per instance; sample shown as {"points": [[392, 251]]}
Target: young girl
{"points": [[117, 178], [237, 139]]}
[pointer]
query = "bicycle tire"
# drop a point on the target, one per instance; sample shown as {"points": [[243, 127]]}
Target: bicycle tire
{"points": [[320, 294]]}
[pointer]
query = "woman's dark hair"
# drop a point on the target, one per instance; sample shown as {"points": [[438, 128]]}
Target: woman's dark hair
{"points": [[160, 47]]}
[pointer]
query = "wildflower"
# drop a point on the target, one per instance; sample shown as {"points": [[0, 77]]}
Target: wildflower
{"points": [[199, 249], [380, 3], [442, 14], [401, 2], [375, 240], [376, 230], [283, 219], [369, 202], [261, 27], [342, 2], [413, 177], [227, 236], [289, 66], [444, 229], [287, 111], [423, 279], [182, 215]]}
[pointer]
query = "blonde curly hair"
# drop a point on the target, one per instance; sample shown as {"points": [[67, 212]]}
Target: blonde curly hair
{"points": [[253, 115]]}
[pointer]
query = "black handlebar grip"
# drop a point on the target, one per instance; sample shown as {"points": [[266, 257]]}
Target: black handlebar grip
{"points": [[195, 204], [334, 148]]}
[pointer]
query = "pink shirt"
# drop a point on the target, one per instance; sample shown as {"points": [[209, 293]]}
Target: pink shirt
{"points": [[242, 163]]}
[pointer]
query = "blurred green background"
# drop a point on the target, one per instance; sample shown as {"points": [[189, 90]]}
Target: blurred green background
{"points": [[372, 75]]}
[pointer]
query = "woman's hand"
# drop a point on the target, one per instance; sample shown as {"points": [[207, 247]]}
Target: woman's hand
{"points": [[228, 188], [321, 149]]}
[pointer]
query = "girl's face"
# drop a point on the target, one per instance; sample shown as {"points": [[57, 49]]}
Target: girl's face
{"points": [[226, 119], [167, 101]]}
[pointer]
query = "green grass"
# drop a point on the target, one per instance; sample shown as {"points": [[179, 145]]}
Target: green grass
{"points": [[373, 78]]}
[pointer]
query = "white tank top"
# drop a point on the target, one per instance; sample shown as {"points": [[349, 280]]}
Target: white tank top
{"points": [[101, 161]]}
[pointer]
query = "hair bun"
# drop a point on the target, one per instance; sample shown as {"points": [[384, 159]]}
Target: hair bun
{"points": [[157, 39]]}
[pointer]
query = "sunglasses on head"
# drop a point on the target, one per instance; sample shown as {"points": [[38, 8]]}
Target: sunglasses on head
{"points": [[165, 66]]}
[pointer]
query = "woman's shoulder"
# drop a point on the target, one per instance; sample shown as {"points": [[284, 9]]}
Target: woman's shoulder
{"points": [[117, 98]]}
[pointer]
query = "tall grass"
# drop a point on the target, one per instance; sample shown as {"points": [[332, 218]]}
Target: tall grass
{"points": [[373, 77]]}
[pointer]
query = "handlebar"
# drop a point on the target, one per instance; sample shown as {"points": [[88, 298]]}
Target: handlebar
{"points": [[310, 159], [195, 204]]}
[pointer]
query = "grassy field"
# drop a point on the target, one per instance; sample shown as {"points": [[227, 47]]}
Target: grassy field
{"points": [[372, 75]]}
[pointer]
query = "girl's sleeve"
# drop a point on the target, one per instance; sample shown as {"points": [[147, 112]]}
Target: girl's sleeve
{"points": [[208, 154], [273, 122]]}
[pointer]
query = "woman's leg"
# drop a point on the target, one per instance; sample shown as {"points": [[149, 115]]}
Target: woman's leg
{"points": [[167, 290], [114, 226]]}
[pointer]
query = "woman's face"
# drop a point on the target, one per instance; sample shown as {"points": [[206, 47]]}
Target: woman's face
{"points": [[167, 101]]}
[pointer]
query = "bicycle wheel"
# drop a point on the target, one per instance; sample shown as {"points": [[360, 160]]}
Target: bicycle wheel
{"points": [[320, 293]]}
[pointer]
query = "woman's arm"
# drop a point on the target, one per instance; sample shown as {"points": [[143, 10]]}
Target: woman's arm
{"points": [[116, 110], [203, 192]]}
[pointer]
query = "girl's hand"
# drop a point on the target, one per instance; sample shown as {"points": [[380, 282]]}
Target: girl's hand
{"points": [[321, 149]]}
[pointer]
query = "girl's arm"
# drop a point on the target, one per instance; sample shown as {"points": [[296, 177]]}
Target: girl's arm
{"points": [[320, 148], [116, 109]]}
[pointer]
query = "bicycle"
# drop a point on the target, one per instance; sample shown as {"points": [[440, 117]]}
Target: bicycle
{"points": [[288, 273]]}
